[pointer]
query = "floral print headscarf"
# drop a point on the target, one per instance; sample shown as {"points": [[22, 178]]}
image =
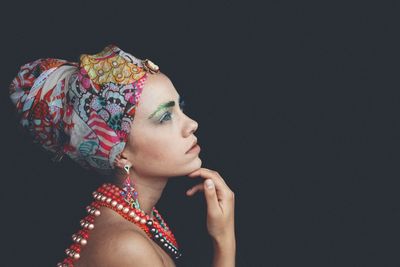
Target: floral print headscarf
{"points": [[83, 110]]}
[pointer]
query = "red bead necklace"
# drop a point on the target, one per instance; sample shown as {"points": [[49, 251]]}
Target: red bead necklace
{"points": [[124, 203]]}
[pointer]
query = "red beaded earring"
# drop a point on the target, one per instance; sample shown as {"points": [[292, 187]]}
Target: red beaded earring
{"points": [[129, 192]]}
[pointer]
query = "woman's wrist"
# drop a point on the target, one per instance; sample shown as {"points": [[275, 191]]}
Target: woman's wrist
{"points": [[225, 241], [224, 251]]}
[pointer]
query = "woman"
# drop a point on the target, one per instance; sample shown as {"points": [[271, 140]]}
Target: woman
{"points": [[119, 115]]}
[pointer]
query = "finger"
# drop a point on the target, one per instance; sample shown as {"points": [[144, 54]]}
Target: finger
{"points": [[206, 174], [198, 171], [217, 174], [210, 193], [194, 189], [209, 174]]}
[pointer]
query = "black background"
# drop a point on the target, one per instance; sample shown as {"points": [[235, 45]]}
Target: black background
{"points": [[298, 110]]}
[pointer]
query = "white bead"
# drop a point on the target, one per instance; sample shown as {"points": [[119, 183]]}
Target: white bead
{"points": [[114, 203], [143, 221], [83, 241], [126, 209], [91, 226], [103, 198], [132, 214], [108, 200], [137, 218], [77, 256], [120, 207]]}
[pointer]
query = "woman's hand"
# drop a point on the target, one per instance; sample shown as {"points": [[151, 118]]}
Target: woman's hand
{"points": [[220, 204]]}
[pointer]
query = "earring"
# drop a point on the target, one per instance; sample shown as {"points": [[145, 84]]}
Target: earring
{"points": [[127, 167], [129, 191]]}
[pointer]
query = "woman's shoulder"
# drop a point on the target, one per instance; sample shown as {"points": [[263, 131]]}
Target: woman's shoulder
{"points": [[119, 244], [128, 248]]}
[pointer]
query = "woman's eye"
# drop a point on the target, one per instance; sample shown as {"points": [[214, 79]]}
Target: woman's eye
{"points": [[167, 116]]}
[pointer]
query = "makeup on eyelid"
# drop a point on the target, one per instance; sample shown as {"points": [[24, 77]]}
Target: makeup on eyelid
{"points": [[168, 113], [162, 107], [168, 105]]}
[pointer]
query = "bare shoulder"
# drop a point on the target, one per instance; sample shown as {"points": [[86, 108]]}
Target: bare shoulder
{"points": [[129, 249]]}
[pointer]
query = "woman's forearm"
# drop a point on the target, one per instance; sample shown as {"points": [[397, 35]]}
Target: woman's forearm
{"points": [[224, 251], [220, 216]]}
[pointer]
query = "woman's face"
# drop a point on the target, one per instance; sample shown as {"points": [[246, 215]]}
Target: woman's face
{"points": [[161, 134]]}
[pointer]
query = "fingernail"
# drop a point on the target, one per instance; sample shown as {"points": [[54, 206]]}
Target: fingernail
{"points": [[209, 183]]}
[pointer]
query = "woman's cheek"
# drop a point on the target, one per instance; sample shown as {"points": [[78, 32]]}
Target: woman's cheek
{"points": [[159, 150]]}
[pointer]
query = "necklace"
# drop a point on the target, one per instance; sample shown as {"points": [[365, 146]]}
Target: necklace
{"points": [[125, 203]]}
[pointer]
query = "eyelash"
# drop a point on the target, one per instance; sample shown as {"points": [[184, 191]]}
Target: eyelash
{"points": [[169, 114], [182, 104], [165, 115]]}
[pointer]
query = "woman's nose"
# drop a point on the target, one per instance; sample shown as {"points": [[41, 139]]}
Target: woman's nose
{"points": [[195, 126], [191, 127]]}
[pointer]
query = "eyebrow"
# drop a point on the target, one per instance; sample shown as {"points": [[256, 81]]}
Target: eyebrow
{"points": [[162, 107]]}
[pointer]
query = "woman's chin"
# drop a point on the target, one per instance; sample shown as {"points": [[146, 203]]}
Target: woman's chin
{"points": [[196, 165], [199, 163]]}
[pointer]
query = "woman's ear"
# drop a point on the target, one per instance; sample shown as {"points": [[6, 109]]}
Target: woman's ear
{"points": [[124, 155], [121, 160]]}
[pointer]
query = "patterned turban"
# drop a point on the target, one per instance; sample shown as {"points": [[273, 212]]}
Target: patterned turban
{"points": [[83, 110]]}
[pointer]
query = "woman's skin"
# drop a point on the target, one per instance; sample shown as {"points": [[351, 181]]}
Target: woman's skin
{"points": [[156, 150]]}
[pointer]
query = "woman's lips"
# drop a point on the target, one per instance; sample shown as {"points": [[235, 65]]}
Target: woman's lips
{"points": [[195, 149]]}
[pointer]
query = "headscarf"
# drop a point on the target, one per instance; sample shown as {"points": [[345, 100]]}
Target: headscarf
{"points": [[83, 110]]}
